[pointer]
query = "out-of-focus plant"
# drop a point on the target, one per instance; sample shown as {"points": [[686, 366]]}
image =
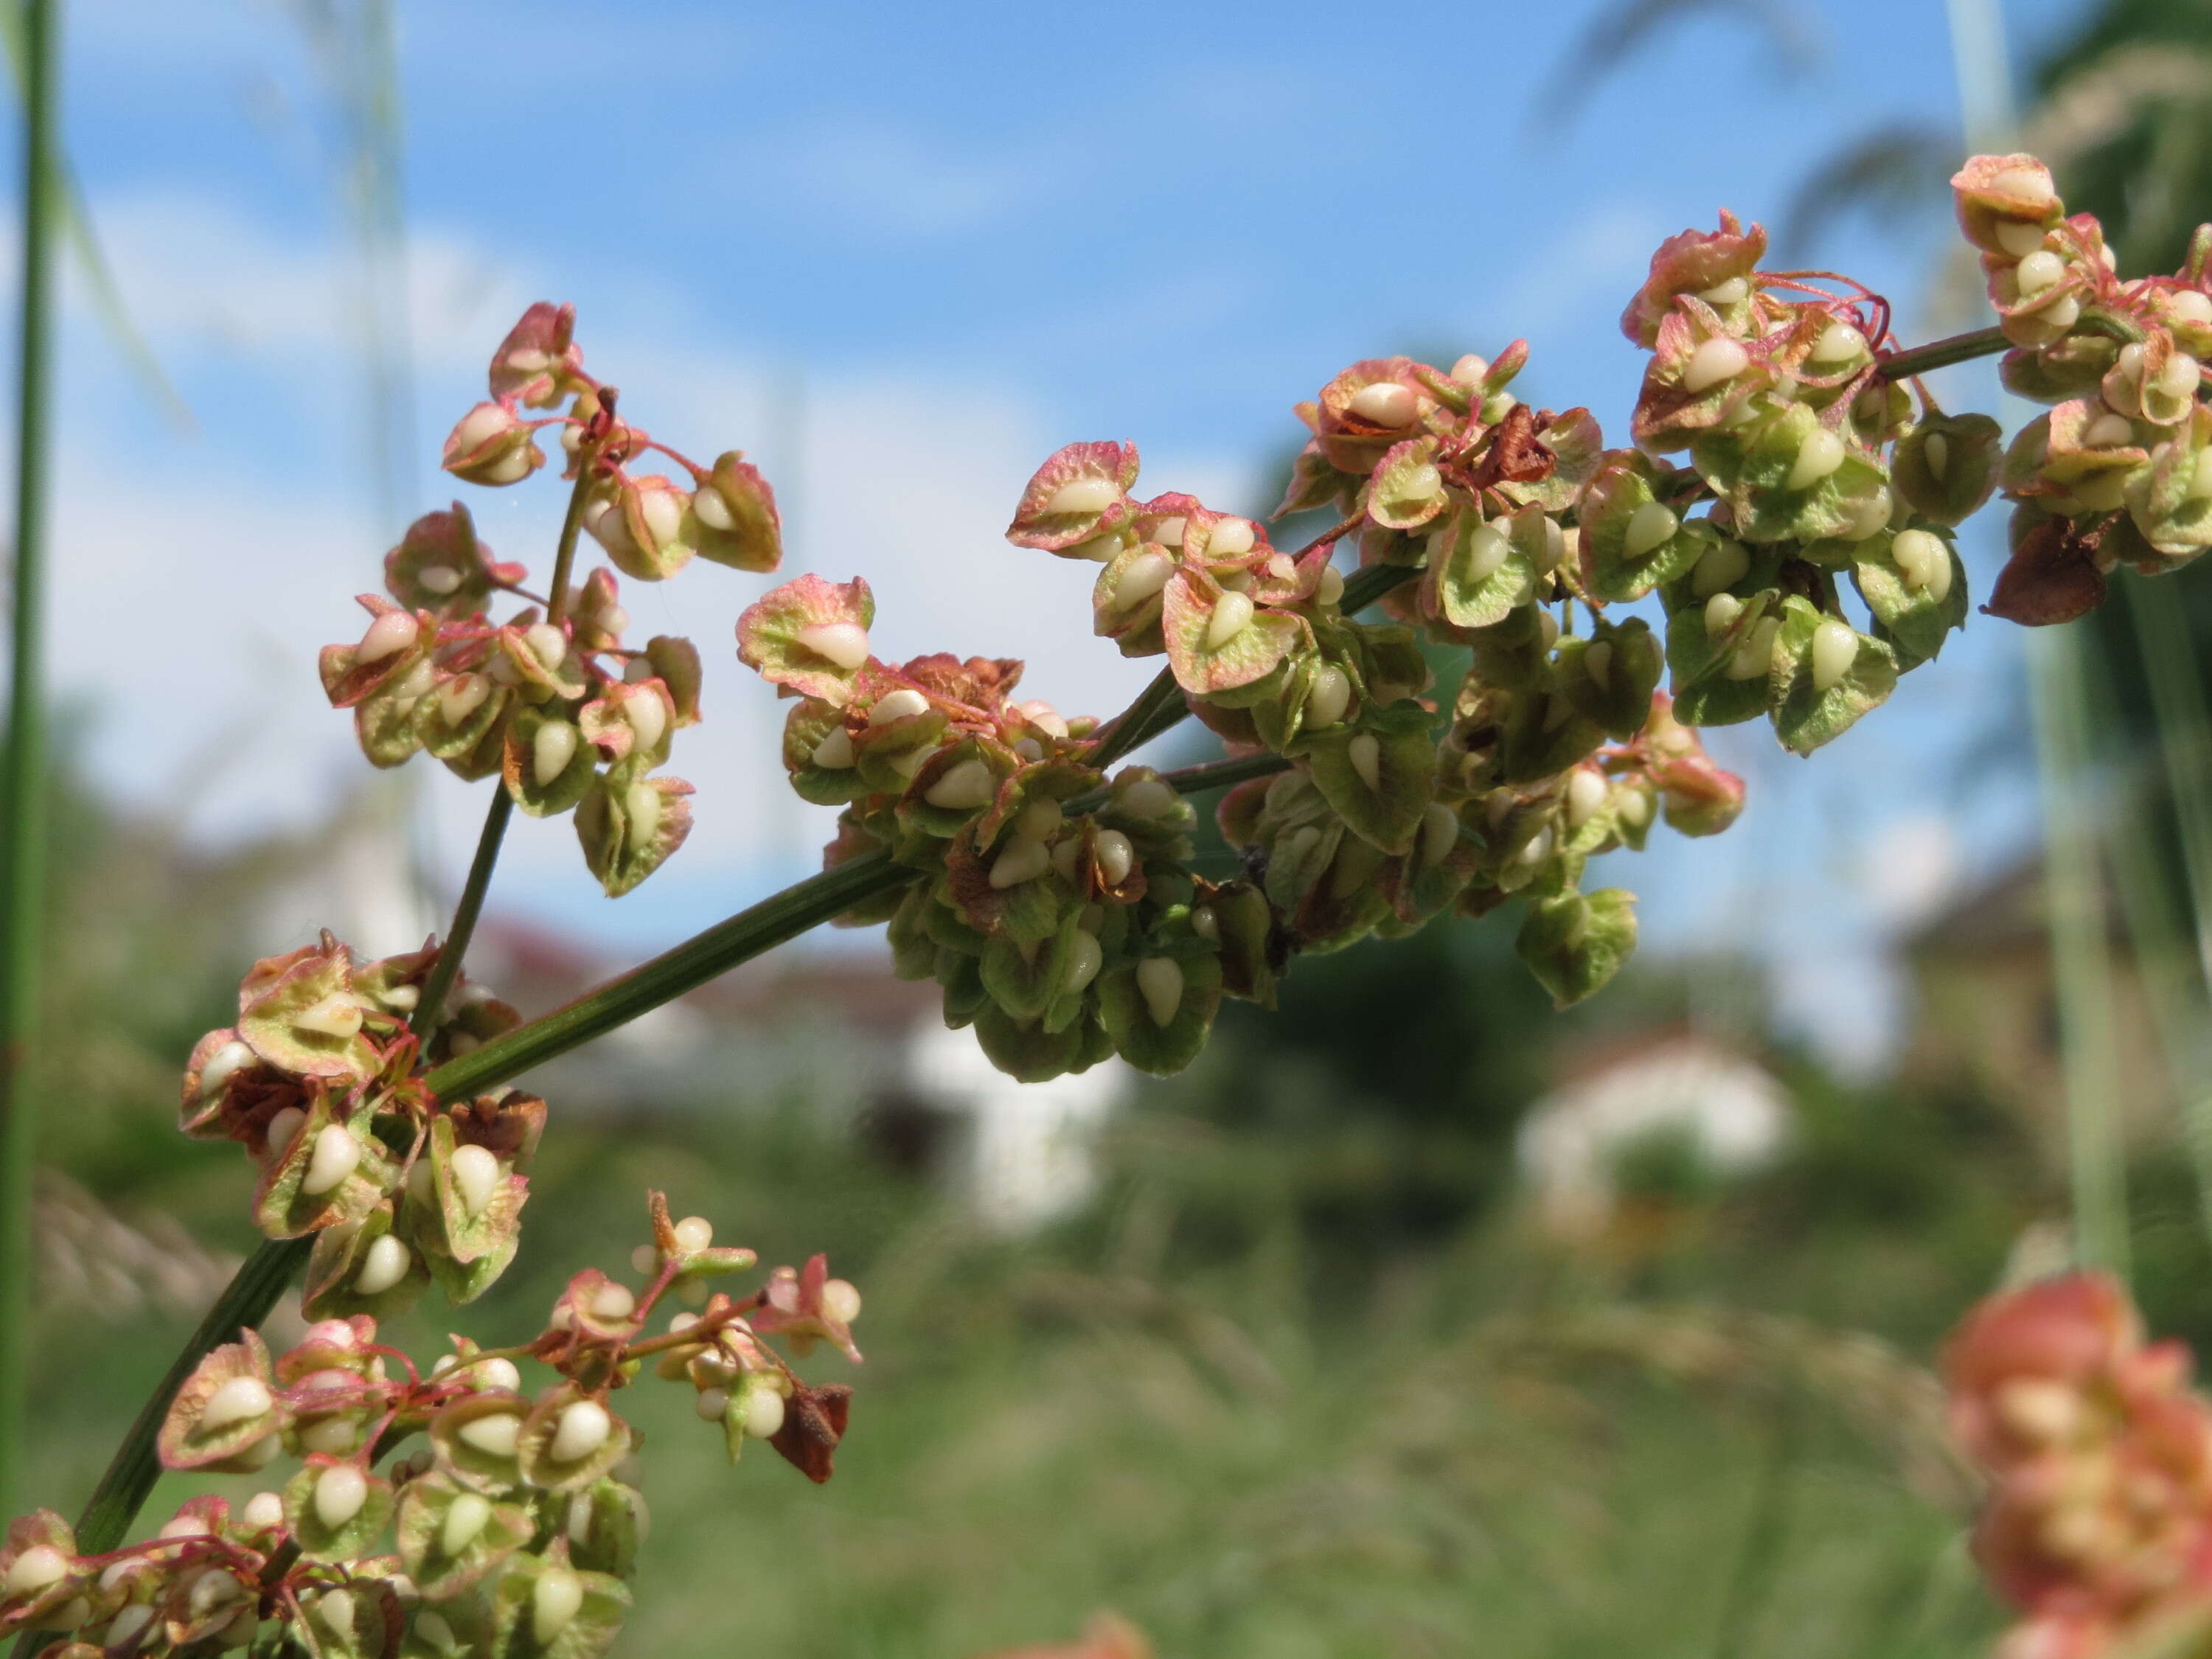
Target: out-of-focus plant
{"points": [[1055, 899]]}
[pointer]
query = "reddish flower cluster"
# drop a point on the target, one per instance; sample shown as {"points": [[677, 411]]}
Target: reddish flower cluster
{"points": [[2098, 1521], [515, 1526]]}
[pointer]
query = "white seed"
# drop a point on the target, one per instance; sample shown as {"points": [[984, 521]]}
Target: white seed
{"points": [[1160, 981], [403, 998], [2065, 314], [2029, 184], [340, 1491], [1718, 359], [1231, 616], [2040, 270], [1649, 526], [554, 1602], [1063, 856], [1148, 797], [1547, 628], [222, 1066], [965, 785], [183, 1526], [1835, 648], [694, 1233], [613, 1302], [337, 1015], [236, 1400], [1385, 404], [2108, 431], [1497, 406], [1723, 564], [1597, 663], [1331, 693], [1729, 293], [334, 1437], [1936, 455], [337, 1155], [474, 1171], [383, 1265], [334, 1608], [548, 643], [211, 1589], [712, 509], [662, 510], [1486, 550], [1924, 562], [841, 1300], [1439, 831], [1114, 856], [552, 747], [1085, 496], [1586, 793], [711, 1404], [2190, 304], [843, 643], [835, 752], [1871, 516], [2018, 238], [641, 803], [1470, 369], [123, 1629], [1539, 847], [1025, 859], [1720, 612], [1171, 531], [648, 718], [498, 1373], [1231, 538], [1030, 749], [2179, 378], [1144, 576], [1330, 589], [387, 636], [263, 1509], [37, 1568], [496, 1435], [1818, 455], [1039, 820], [763, 1413], [1420, 484], [1756, 654], [644, 1259], [903, 704], [2200, 476], [1097, 549], [583, 1429], [2129, 361], [1839, 343]]}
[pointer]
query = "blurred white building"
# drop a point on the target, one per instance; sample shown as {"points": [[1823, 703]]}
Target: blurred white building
{"points": [[1725, 1109]]}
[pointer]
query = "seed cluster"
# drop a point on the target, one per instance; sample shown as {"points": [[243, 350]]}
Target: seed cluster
{"points": [[513, 1527], [552, 700]]}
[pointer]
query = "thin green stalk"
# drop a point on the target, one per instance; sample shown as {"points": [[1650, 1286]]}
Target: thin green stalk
{"points": [[23, 834], [1941, 354], [2074, 895]]}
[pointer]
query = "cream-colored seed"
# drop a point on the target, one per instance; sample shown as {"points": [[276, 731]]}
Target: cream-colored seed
{"points": [[1230, 538], [334, 1437], [1160, 981], [1439, 832], [647, 715], [964, 785], [1718, 360], [843, 644], [763, 1413], [334, 1609], [712, 509], [236, 1400], [383, 1265], [1385, 404], [284, 1128], [1364, 752], [1231, 616], [37, 1568], [387, 636], [2063, 313], [1835, 648], [614, 1303], [1725, 293], [1330, 693], [1084, 958], [694, 1233], [1924, 561], [1597, 663], [1148, 798], [1065, 854], [1205, 924], [583, 1429], [498, 1373], [1085, 496], [263, 1509], [1023, 859], [1470, 369], [337, 1015], [2109, 431], [1839, 343], [474, 1171], [335, 1155], [466, 1517], [1586, 793], [1114, 855], [1818, 455], [2180, 376], [835, 752], [903, 704], [1331, 587], [1720, 612], [555, 1601], [1039, 820], [552, 747], [1487, 547], [2040, 270], [340, 1492], [841, 1300], [2018, 238], [1652, 525], [496, 1435], [222, 1066], [1142, 578], [2200, 476], [711, 1404], [1723, 564], [1936, 455], [1756, 654]]}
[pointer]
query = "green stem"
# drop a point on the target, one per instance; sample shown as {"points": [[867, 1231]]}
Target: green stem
{"points": [[450, 954], [1941, 354], [23, 782]]}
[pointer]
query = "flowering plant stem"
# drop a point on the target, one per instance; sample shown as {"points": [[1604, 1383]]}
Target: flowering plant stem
{"points": [[22, 834], [752, 932]]}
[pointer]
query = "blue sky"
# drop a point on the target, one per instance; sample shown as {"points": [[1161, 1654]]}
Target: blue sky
{"points": [[900, 254]]}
